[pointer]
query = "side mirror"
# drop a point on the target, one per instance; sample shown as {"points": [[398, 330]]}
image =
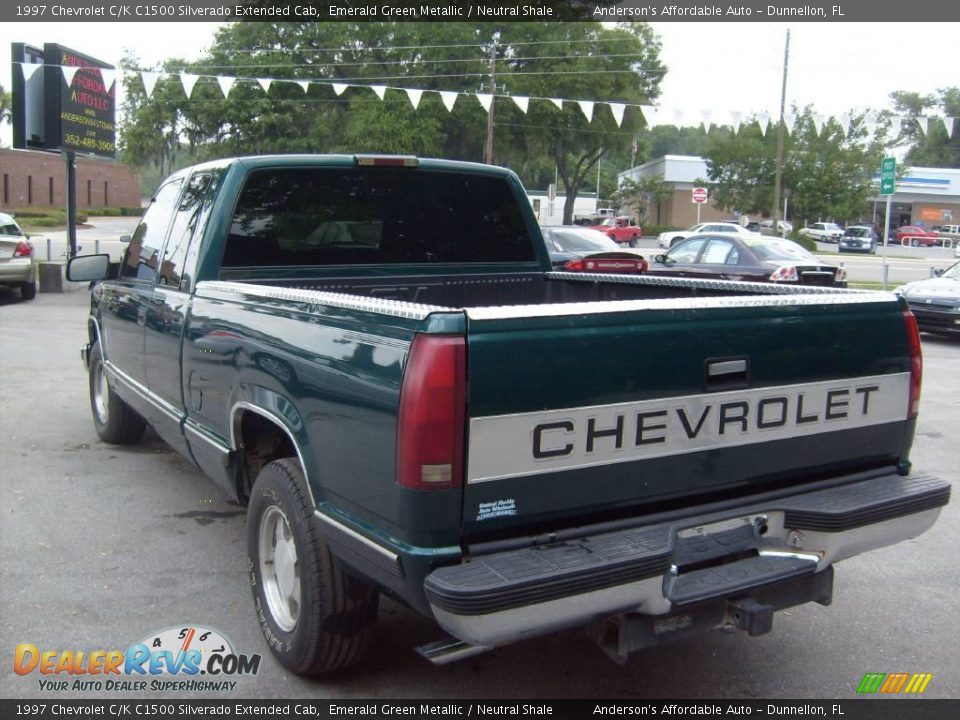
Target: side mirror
{"points": [[938, 272], [87, 268], [662, 259], [125, 238]]}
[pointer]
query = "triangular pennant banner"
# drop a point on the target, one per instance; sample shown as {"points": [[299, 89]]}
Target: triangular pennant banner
{"points": [[844, 121], [896, 125], [109, 77], [304, 85], [414, 96], [706, 117], [951, 125], [789, 120], [736, 118], [380, 90], [264, 83], [68, 73], [763, 120], [338, 88], [818, 122], [557, 101], [617, 109], [923, 123], [449, 98], [522, 102], [486, 99], [678, 117], [586, 107], [188, 81], [649, 114], [29, 69], [149, 82], [226, 84]]}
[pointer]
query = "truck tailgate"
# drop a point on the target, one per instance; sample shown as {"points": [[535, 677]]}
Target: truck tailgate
{"points": [[625, 407]]}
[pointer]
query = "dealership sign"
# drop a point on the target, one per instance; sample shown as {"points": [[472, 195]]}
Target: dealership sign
{"points": [[63, 100]]}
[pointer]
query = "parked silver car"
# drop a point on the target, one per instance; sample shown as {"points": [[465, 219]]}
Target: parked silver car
{"points": [[18, 262]]}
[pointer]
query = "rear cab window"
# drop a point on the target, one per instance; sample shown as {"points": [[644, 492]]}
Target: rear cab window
{"points": [[373, 216]]}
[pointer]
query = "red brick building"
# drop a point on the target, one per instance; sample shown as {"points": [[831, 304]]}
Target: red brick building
{"points": [[31, 179]]}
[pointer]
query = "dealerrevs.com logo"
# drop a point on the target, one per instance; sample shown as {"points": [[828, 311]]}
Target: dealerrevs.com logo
{"points": [[186, 658]]}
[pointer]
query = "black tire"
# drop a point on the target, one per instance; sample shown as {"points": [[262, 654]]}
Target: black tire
{"points": [[28, 291], [116, 422], [322, 621], [915, 242], [675, 240], [633, 241]]}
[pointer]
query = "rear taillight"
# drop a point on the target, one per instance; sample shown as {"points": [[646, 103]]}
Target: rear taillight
{"points": [[23, 249], [430, 432], [575, 265], [916, 363], [787, 273]]}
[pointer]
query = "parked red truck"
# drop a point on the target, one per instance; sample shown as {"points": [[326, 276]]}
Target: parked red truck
{"points": [[620, 229]]}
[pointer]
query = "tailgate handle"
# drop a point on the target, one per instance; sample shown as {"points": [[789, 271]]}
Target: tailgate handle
{"points": [[727, 373]]}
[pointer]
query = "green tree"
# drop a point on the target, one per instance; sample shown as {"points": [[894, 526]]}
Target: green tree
{"points": [[935, 147], [568, 60], [639, 196], [830, 173], [6, 107]]}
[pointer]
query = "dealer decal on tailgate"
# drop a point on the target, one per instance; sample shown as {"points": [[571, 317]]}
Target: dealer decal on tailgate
{"points": [[504, 446]]}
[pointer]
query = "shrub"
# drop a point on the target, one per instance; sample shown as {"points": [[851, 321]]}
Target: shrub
{"points": [[653, 230]]}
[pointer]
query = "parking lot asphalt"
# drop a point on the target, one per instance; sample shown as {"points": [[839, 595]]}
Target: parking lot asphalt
{"points": [[103, 546]]}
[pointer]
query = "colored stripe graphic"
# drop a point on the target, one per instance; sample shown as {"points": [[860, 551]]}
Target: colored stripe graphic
{"points": [[893, 683]]}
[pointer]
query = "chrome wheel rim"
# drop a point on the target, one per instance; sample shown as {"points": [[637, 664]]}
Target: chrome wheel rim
{"points": [[101, 390], [279, 568]]}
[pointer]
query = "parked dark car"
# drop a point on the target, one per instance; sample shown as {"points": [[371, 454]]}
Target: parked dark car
{"points": [[579, 249], [859, 238], [936, 301], [766, 259]]}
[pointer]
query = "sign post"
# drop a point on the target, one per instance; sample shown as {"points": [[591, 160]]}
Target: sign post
{"points": [[699, 196], [888, 186]]}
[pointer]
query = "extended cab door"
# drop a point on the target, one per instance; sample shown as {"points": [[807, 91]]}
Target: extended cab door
{"points": [[125, 302], [166, 312]]}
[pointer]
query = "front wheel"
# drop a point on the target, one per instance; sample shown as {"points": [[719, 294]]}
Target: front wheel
{"points": [[115, 421], [28, 291], [633, 241], [314, 616]]}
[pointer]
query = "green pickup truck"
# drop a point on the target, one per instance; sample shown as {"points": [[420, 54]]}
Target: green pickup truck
{"points": [[374, 355]]}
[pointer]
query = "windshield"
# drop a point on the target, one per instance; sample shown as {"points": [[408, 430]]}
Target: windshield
{"points": [[778, 250], [832, 226], [952, 272], [9, 230], [570, 240], [858, 232]]}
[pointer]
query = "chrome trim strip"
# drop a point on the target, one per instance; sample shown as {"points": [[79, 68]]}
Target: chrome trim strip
{"points": [[703, 284], [382, 306], [137, 387], [773, 297], [276, 420], [350, 532], [220, 449]]}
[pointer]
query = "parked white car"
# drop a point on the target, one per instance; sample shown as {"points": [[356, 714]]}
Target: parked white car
{"points": [[783, 226], [823, 232], [672, 237]]}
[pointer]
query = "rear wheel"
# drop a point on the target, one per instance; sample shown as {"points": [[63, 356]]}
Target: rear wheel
{"points": [[115, 421], [675, 241], [28, 291], [915, 242], [315, 617], [633, 241]]}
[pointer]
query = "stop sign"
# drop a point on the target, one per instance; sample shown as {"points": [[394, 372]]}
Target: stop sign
{"points": [[699, 195]]}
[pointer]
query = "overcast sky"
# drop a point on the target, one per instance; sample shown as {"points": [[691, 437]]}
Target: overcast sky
{"points": [[718, 66]]}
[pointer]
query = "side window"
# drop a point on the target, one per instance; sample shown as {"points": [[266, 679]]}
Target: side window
{"points": [[184, 225], [142, 258], [686, 252], [718, 252]]}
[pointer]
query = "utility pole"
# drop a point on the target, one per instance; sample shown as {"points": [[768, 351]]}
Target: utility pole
{"points": [[780, 133], [493, 92]]}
